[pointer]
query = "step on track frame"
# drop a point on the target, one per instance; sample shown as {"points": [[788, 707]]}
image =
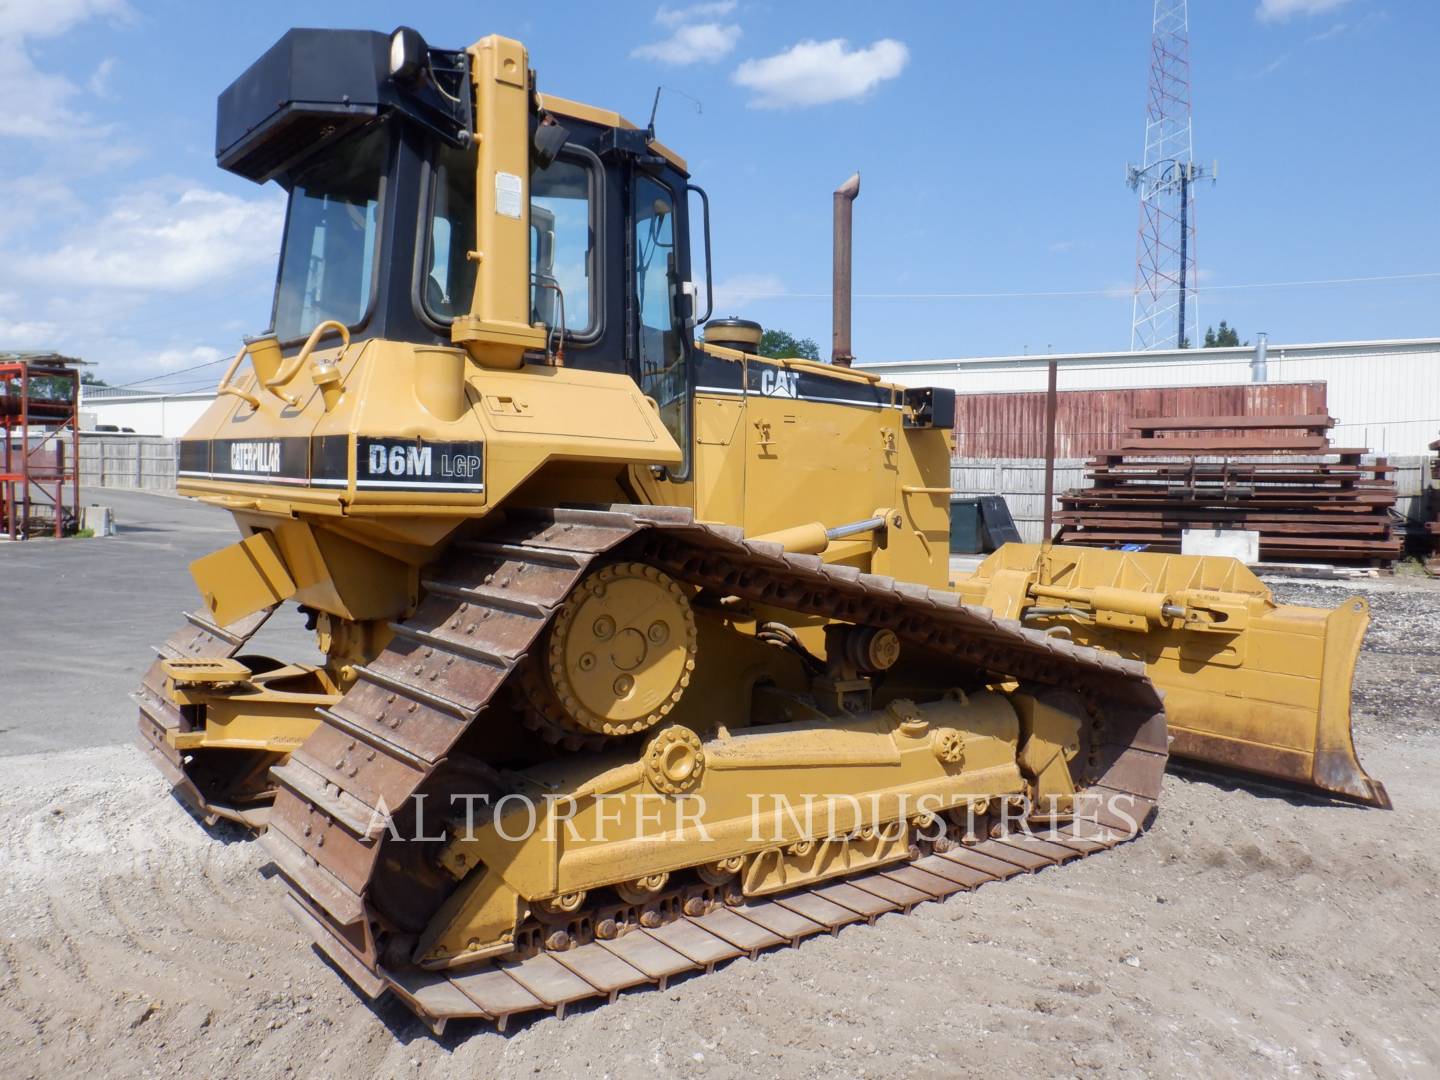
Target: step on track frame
{"points": [[487, 602]]}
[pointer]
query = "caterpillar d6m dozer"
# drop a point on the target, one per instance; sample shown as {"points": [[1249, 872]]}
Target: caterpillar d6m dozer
{"points": [[639, 653]]}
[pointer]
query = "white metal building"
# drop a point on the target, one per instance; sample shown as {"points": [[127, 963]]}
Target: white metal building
{"points": [[1385, 395], [105, 408]]}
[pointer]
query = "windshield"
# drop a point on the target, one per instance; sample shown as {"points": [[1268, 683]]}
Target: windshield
{"points": [[327, 263]]}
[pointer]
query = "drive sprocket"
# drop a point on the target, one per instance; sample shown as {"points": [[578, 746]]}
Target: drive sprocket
{"points": [[619, 655]]}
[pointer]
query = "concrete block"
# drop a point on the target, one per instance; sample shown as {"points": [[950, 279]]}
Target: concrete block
{"points": [[1239, 544]]}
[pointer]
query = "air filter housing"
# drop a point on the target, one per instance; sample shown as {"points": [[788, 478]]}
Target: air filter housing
{"points": [[733, 333]]}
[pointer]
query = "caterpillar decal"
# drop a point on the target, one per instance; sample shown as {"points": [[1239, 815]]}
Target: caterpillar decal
{"points": [[392, 464]]}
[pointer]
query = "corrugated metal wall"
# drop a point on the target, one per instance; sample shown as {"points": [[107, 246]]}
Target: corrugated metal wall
{"points": [[167, 415], [1385, 395], [1386, 398], [1013, 425]]}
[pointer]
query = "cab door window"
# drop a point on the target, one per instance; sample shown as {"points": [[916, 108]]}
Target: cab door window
{"points": [[660, 346], [561, 245], [561, 241]]}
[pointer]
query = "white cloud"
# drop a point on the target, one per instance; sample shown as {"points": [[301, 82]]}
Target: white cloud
{"points": [[99, 81], [27, 333], [1281, 10], [158, 241], [819, 72], [28, 200], [734, 291], [1272, 67], [48, 112], [695, 35], [703, 42], [49, 18], [1060, 247], [140, 275], [668, 16]]}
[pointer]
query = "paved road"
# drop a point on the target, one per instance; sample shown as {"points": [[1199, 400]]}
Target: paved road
{"points": [[78, 618]]}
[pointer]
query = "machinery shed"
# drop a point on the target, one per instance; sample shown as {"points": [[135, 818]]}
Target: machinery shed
{"points": [[140, 412]]}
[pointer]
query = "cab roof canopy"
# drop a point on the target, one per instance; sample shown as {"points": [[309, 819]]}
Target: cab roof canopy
{"points": [[312, 87]]}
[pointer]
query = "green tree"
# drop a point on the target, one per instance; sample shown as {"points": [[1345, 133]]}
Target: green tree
{"points": [[779, 345], [1226, 336], [54, 388], [51, 387]]}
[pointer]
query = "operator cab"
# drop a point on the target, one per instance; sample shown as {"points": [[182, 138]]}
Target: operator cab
{"points": [[371, 136]]}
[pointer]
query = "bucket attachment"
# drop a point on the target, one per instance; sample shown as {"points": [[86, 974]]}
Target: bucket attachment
{"points": [[1250, 685]]}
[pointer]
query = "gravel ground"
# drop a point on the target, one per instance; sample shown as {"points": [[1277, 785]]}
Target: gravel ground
{"points": [[1245, 934]]}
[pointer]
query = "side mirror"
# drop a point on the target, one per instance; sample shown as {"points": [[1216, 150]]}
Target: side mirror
{"points": [[709, 270], [550, 136]]}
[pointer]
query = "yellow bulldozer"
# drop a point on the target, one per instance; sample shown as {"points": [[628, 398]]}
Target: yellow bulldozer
{"points": [[641, 652]]}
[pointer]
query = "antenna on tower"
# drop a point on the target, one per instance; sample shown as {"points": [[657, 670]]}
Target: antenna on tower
{"points": [[1165, 278]]}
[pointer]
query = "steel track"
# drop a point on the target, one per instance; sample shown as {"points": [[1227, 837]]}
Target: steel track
{"points": [[486, 604]]}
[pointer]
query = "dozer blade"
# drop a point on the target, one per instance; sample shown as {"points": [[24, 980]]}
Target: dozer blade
{"points": [[1250, 685]]}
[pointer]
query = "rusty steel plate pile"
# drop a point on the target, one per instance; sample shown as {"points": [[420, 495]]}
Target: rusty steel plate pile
{"points": [[1275, 475], [1432, 526]]}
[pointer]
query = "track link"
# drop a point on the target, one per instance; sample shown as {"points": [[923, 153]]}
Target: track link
{"points": [[486, 604]]}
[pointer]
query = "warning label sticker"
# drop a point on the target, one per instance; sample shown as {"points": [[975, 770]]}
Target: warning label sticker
{"points": [[507, 194]]}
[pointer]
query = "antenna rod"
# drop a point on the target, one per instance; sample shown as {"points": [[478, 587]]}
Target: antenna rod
{"points": [[1184, 255]]}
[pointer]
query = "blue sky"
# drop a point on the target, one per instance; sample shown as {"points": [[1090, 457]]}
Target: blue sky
{"points": [[991, 137]]}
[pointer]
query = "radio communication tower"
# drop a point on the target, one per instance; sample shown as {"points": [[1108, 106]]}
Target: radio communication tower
{"points": [[1165, 278]]}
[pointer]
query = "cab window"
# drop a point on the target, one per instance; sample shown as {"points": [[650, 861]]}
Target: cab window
{"points": [[660, 348], [561, 244], [449, 281], [561, 241], [327, 262]]}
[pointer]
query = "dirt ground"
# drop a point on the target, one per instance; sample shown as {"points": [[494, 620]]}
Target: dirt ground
{"points": [[1248, 933]]}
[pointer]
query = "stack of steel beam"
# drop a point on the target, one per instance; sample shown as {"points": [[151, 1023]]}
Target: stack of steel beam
{"points": [[1432, 526], [1274, 475]]}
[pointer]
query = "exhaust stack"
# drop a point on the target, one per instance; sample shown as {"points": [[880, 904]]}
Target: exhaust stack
{"points": [[840, 351], [1258, 374]]}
